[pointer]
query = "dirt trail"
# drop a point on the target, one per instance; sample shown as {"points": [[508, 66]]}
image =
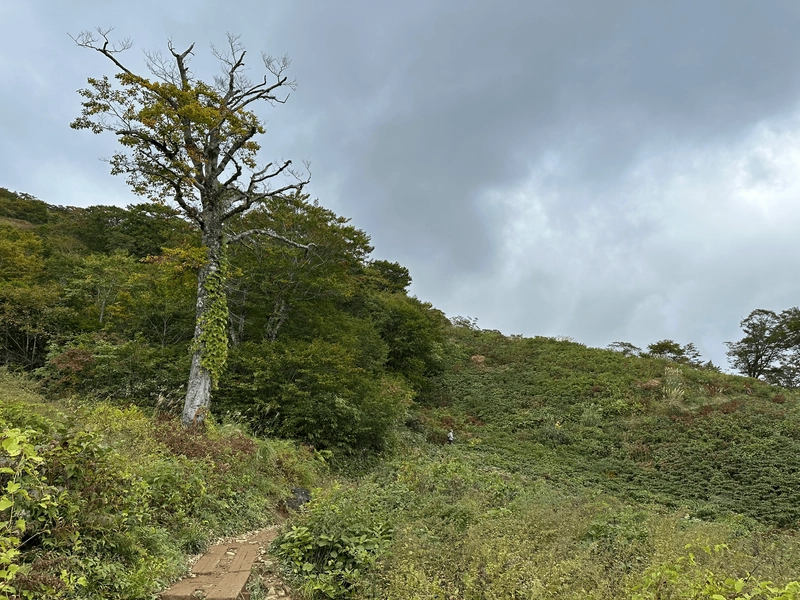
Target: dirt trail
{"points": [[223, 572]]}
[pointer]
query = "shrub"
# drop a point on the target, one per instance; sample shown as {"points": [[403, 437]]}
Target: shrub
{"points": [[339, 539], [313, 392]]}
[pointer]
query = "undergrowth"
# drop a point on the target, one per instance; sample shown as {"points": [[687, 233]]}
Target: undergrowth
{"points": [[104, 502]]}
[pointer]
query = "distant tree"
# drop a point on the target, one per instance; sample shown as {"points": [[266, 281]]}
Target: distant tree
{"points": [[787, 372], [193, 143], [28, 305], [790, 327], [470, 323], [668, 349], [162, 306], [104, 282], [692, 354], [625, 348], [141, 230], [21, 253], [275, 284], [762, 347], [671, 350], [24, 207], [412, 330]]}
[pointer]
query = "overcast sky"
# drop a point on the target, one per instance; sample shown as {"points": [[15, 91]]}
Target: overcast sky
{"points": [[604, 170]]}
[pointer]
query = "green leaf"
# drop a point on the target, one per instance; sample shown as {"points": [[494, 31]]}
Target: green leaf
{"points": [[11, 445], [5, 503]]}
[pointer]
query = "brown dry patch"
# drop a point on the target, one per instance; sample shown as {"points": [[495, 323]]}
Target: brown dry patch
{"points": [[194, 442], [730, 407], [649, 385], [478, 359]]}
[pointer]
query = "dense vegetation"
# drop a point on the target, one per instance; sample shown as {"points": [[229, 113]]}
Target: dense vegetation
{"points": [[103, 491], [576, 472], [103, 501], [100, 301]]}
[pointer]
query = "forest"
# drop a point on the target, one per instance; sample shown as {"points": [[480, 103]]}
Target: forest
{"points": [[326, 346]]}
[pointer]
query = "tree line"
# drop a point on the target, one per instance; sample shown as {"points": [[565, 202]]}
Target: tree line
{"points": [[769, 349], [325, 346], [228, 279]]}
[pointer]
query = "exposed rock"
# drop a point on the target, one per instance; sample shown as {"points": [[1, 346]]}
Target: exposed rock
{"points": [[299, 497]]}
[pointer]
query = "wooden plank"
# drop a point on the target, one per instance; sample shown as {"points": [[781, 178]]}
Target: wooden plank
{"points": [[213, 580], [245, 556], [209, 561], [230, 587], [186, 589]]}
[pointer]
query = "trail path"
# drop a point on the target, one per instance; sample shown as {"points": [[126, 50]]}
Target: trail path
{"points": [[223, 572]]}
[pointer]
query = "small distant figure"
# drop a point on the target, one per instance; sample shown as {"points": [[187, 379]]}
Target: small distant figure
{"points": [[450, 437]]}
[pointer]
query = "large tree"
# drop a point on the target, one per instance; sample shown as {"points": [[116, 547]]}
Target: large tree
{"points": [[194, 143], [762, 346]]}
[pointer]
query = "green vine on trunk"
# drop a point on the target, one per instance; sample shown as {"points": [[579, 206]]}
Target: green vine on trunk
{"points": [[213, 340]]}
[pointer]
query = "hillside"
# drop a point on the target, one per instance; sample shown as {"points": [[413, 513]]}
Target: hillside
{"points": [[577, 473], [643, 429]]}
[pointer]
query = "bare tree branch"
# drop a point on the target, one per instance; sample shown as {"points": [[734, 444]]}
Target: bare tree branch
{"points": [[233, 149], [87, 39], [233, 239], [249, 201]]}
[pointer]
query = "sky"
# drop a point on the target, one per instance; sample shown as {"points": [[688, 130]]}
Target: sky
{"points": [[606, 171]]}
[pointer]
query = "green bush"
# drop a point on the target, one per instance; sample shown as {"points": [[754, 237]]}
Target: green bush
{"points": [[339, 538], [315, 392], [132, 370]]}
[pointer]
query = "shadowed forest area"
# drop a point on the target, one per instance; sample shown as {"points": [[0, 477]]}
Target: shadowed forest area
{"points": [[576, 472]]}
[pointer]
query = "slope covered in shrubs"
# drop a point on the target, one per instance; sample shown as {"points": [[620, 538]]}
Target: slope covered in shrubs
{"points": [[104, 501], [576, 473]]}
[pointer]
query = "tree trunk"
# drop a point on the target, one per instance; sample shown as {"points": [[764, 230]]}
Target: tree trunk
{"points": [[198, 389], [198, 392], [276, 319]]}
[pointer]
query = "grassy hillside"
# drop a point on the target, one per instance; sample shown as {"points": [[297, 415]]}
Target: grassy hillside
{"points": [[642, 429], [577, 473]]}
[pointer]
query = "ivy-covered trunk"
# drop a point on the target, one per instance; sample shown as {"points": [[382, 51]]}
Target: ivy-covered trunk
{"points": [[210, 344]]}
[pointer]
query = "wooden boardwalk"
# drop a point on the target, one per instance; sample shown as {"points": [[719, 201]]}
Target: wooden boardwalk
{"points": [[223, 571]]}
